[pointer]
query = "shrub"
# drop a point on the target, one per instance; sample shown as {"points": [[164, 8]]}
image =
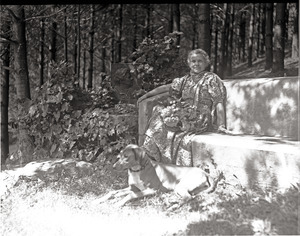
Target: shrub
{"points": [[67, 121], [157, 61]]}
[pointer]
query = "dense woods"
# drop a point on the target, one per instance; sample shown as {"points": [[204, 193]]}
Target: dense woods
{"points": [[56, 51]]}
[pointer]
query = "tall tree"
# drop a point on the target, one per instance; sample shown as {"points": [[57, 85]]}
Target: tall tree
{"points": [[195, 20], [251, 34], [263, 30], [75, 49], [243, 36], [171, 18], [216, 44], [147, 30], [84, 65], [135, 28], [4, 99], [230, 44], [20, 52], [269, 35], [42, 53], [66, 35], [91, 47], [279, 38], [176, 22], [295, 39], [222, 66], [25, 143], [53, 39], [78, 43], [204, 36], [119, 32], [258, 30]]}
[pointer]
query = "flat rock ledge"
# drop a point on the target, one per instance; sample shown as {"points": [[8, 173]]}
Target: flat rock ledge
{"points": [[43, 170]]}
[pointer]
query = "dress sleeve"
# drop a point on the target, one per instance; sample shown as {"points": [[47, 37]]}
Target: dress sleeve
{"points": [[175, 88], [216, 88]]}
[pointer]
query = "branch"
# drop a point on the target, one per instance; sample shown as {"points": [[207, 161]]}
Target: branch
{"points": [[6, 39], [7, 68], [40, 17], [12, 14]]}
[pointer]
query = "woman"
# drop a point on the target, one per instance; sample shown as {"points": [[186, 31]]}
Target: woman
{"points": [[189, 110]]}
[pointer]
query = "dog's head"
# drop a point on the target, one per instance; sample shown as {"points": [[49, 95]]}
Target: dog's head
{"points": [[130, 158]]}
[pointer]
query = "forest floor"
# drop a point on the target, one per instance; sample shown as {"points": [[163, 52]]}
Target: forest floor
{"points": [[65, 204], [291, 68]]}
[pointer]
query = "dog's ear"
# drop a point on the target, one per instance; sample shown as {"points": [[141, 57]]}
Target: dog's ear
{"points": [[139, 153]]}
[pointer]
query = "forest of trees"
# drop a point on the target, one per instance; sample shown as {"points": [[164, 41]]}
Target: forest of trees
{"points": [[84, 41]]}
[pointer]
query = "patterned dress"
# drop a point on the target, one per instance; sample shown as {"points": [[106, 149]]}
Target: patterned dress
{"points": [[188, 111]]}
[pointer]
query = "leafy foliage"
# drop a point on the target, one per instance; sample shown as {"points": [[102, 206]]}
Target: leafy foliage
{"points": [[157, 62], [66, 121]]}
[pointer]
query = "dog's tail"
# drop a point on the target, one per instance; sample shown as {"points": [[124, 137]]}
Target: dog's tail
{"points": [[213, 182]]}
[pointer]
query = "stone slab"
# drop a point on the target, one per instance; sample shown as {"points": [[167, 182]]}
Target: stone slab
{"points": [[248, 160], [264, 106]]}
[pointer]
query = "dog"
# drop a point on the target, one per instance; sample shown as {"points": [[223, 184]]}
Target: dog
{"points": [[146, 177]]}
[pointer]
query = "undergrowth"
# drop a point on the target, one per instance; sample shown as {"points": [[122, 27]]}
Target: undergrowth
{"points": [[66, 207]]}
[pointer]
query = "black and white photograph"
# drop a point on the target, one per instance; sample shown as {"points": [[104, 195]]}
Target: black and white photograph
{"points": [[149, 119]]}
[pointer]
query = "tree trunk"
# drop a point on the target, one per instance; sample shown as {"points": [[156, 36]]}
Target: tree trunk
{"points": [[83, 69], [42, 54], [65, 36], [227, 24], [223, 42], [263, 30], [258, 30], [91, 48], [204, 36], [84, 63], [78, 44], [195, 20], [148, 21], [279, 40], [230, 46], [20, 53], [171, 24], [135, 28], [103, 56], [295, 40], [269, 35], [176, 26], [243, 35], [25, 143], [53, 40], [251, 33], [5, 49], [216, 45], [119, 34]]}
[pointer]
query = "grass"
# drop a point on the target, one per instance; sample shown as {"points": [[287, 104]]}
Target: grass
{"points": [[65, 207]]}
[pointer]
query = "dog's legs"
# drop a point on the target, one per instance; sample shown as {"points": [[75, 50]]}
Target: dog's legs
{"points": [[135, 195], [184, 194], [113, 194]]}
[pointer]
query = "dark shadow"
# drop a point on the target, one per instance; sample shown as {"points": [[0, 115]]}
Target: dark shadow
{"points": [[238, 216], [218, 227]]}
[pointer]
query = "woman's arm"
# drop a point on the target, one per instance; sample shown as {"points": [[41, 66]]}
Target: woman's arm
{"points": [[156, 91], [221, 118]]}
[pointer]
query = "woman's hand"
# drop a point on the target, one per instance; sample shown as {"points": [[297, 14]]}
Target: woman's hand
{"points": [[222, 129]]}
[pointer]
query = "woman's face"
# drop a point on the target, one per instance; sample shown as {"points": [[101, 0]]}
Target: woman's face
{"points": [[197, 63]]}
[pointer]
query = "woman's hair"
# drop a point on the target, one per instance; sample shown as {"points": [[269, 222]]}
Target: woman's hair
{"points": [[200, 52]]}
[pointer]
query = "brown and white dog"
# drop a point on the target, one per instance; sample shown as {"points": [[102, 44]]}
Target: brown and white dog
{"points": [[146, 177]]}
